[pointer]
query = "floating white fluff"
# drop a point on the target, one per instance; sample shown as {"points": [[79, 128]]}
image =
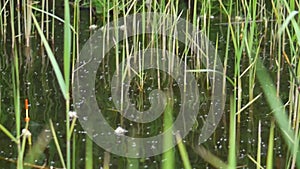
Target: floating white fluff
{"points": [[120, 131]]}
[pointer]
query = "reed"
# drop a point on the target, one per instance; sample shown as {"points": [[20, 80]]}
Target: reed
{"points": [[232, 135], [88, 153], [183, 153], [61, 157], [53, 22], [9, 134], [168, 157], [47, 20], [74, 150], [75, 45], [16, 91], [3, 15], [258, 152], [27, 20], [210, 157], [18, 7], [67, 76], [271, 146], [1, 19], [12, 23]]}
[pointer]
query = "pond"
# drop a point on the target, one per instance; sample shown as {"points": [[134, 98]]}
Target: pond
{"points": [[150, 84]]}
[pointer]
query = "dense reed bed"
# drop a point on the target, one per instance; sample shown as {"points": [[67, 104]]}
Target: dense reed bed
{"points": [[256, 41]]}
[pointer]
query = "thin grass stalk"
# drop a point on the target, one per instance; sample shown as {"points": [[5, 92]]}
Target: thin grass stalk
{"points": [[25, 17], [107, 21], [125, 52], [168, 157], [297, 111], [57, 144], [226, 60], [278, 61], [74, 151], [23, 144], [28, 22], [75, 48], [185, 55], [155, 38], [4, 11], [19, 20], [183, 153], [144, 24], [258, 152], [210, 158], [255, 162], [88, 153], [127, 46], [47, 20], [42, 19], [73, 125], [116, 29], [0, 97], [26, 134], [53, 22], [270, 155], [106, 160], [67, 63], [1, 19], [163, 38], [16, 91], [162, 6], [232, 134], [171, 43], [91, 11], [12, 24], [9, 134], [295, 153]]}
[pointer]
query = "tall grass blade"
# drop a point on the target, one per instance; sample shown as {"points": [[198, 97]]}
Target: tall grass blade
{"points": [[51, 56], [57, 144], [258, 154], [277, 107], [168, 161], [232, 134], [67, 68], [183, 153], [16, 91], [286, 22], [6, 132], [271, 146], [210, 158], [88, 153]]}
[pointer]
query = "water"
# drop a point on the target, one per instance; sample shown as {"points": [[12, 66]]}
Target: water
{"points": [[38, 83]]}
